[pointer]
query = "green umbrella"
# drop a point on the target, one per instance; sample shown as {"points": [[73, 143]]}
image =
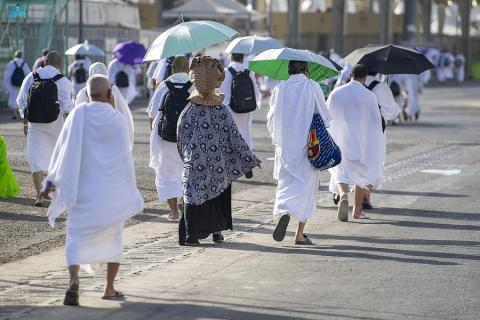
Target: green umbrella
{"points": [[273, 63], [188, 37]]}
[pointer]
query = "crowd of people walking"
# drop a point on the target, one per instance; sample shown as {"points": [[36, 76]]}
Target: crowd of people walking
{"points": [[80, 136]]}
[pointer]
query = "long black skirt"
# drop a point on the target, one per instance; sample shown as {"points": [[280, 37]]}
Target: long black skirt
{"points": [[199, 221]]}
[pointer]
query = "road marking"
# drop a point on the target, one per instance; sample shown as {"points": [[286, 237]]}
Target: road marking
{"points": [[420, 162], [450, 172]]}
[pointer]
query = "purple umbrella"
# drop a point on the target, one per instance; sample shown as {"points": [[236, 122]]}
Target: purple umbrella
{"points": [[130, 52]]}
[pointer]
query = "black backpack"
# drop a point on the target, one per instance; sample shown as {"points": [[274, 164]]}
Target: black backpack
{"points": [[18, 75], [243, 93], [395, 89], [121, 79], [80, 74], [446, 62], [172, 106], [42, 104], [168, 67], [370, 87]]}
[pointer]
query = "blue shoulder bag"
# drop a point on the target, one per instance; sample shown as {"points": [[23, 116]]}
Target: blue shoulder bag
{"points": [[323, 152]]}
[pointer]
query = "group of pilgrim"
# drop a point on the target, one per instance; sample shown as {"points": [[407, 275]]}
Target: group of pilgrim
{"points": [[198, 146]]}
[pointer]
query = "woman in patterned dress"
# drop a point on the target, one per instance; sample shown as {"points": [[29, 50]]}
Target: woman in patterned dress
{"points": [[214, 155]]}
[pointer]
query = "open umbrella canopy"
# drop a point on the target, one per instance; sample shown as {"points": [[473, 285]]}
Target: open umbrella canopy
{"points": [[253, 45], [85, 49], [188, 37], [390, 59], [129, 52], [336, 65], [273, 63]]}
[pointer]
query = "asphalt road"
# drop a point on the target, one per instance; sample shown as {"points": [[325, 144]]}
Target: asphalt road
{"points": [[417, 257], [450, 116]]}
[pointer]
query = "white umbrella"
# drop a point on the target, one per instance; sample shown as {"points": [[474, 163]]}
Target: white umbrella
{"points": [[188, 37], [253, 45], [85, 49]]}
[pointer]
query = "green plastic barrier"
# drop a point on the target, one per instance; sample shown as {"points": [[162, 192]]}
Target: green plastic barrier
{"points": [[475, 70]]}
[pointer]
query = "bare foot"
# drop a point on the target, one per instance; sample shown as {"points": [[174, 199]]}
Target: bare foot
{"points": [[357, 213], [75, 285], [112, 294], [174, 216]]}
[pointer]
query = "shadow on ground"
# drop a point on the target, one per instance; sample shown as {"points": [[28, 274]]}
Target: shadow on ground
{"points": [[173, 311]]}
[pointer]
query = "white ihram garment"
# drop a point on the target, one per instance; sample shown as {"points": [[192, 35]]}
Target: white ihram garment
{"points": [[159, 71], [413, 91], [449, 70], [72, 68], [93, 172], [42, 137], [432, 55], [115, 67], [242, 120], [356, 128], [445, 72], [149, 74], [460, 68], [164, 157], [11, 90], [120, 104], [344, 76], [389, 109], [292, 105]]}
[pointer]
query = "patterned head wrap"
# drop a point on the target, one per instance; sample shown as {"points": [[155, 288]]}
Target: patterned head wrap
{"points": [[207, 74]]}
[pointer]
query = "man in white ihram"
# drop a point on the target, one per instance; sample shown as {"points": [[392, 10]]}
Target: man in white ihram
{"points": [[42, 137], [389, 110], [356, 127], [164, 157], [242, 120], [292, 105], [15, 72], [124, 76], [78, 73], [459, 65], [92, 175]]}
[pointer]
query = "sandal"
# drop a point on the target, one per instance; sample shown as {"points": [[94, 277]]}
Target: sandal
{"points": [[191, 243], [367, 206], [71, 298], [342, 214], [218, 238], [361, 216], [305, 242], [281, 228], [117, 296], [172, 219], [336, 198], [38, 203]]}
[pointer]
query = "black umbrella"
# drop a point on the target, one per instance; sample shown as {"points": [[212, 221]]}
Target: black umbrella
{"points": [[336, 65], [390, 59]]}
